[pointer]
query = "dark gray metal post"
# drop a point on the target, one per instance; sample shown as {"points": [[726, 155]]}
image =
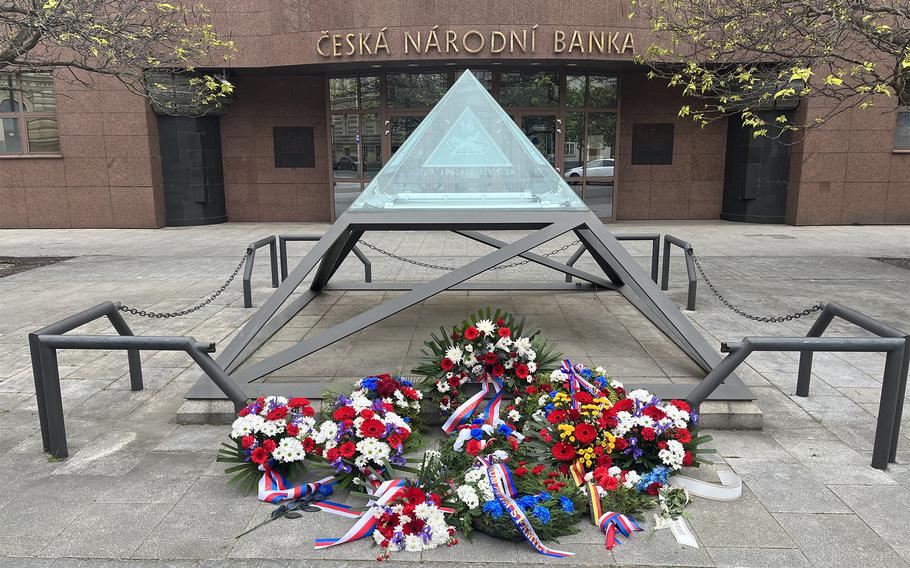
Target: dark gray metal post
{"points": [[367, 265], [248, 268], [273, 261], [573, 259], [655, 250], [887, 410], [901, 393], [665, 273], [52, 401], [38, 376], [719, 374], [133, 356], [805, 358], [690, 268]]}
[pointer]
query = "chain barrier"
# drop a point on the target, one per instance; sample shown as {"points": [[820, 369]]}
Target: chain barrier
{"points": [[450, 268], [211, 297], [753, 317]]}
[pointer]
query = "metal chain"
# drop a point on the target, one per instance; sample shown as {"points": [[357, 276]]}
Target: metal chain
{"points": [[197, 307], [764, 319], [450, 268]]}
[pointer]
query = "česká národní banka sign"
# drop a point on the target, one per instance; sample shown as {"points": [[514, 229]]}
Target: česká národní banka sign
{"points": [[451, 42]]}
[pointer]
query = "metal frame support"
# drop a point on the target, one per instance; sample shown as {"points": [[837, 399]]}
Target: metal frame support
{"points": [[690, 268], [894, 343], [655, 253], [45, 342], [283, 252], [248, 269]]}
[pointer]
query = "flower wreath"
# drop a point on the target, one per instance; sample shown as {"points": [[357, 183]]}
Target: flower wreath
{"points": [[401, 394], [460, 452]]}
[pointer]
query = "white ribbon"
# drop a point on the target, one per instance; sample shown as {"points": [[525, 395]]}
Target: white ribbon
{"points": [[730, 487]]}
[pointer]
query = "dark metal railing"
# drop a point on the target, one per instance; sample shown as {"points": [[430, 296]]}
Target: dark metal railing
{"points": [[248, 269], [690, 268], [283, 248], [45, 342], [655, 252], [894, 343]]}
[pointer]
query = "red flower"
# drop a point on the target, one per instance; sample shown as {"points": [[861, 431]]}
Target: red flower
{"points": [[563, 452], [343, 413], [347, 449], [584, 397], [244, 411], [538, 469], [498, 370], [530, 389], [598, 450], [609, 482], [648, 434], [247, 442], [307, 411], [604, 461], [410, 393], [688, 459], [490, 358], [455, 336], [624, 405], [654, 488], [332, 454], [414, 495], [585, 433], [683, 435], [387, 386], [504, 332], [473, 447], [521, 370], [500, 322], [682, 405], [366, 414], [446, 364], [298, 402], [662, 445], [269, 445], [620, 444], [372, 428], [520, 471], [556, 417], [394, 441], [655, 413], [444, 400], [513, 443], [471, 333], [308, 444], [574, 415], [260, 455], [277, 413]]}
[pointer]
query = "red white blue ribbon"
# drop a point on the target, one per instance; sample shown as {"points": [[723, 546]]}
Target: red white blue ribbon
{"points": [[576, 382], [364, 526], [464, 412], [611, 523], [274, 488], [504, 490]]}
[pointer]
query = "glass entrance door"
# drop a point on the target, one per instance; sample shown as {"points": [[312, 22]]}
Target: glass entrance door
{"points": [[398, 128], [542, 130]]}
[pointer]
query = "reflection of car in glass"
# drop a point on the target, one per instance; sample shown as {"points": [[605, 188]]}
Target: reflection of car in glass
{"points": [[346, 163], [602, 168]]}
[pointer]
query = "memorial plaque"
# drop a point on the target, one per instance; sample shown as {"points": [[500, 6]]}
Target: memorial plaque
{"points": [[294, 147], [652, 144]]}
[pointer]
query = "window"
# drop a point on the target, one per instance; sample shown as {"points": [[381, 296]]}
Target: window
{"points": [[28, 114], [522, 89], [902, 132], [409, 90]]}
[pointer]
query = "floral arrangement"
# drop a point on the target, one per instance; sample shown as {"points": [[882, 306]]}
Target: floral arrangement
{"points": [[491, 349], [399, 392], [501, 439], [268, 433], [412, 522]]}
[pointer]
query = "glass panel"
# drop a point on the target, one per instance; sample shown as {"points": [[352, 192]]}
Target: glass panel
{"points": [[370, 144], [10, 143], [343, 93], [521, 89], [485, 77], [599, 143], [599, 197], [401, 127], [43, 136], [408, 90], [467, 153], [541, 131], [575, 124], [902, 132], [602, 91], [369, 92], [575, 90], [38, 94], [8, 97], [344, 160]]}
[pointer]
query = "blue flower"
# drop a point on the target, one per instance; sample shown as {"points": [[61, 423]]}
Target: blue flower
{"points": [[542, 513], [504, 430], [478, 421], [549, 408], [566, 504], [326, 490], [477, 433], [406, 383], [543, 496], [527, 501], [369, 383], [493, 508]]}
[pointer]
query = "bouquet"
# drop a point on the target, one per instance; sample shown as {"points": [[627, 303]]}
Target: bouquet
{"points": [[398, 392], [491, 349], [413, 521], [501, 440], [268, 434]]}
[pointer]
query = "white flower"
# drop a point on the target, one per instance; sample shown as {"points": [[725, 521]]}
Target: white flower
{"points": [[443, 386], [532, 367], [272, 427], [522, 346], [514, 415], [454, 354], [468, 496], [499, 456], [371, 449], [246, 425], [325, 432], [614, 471], [474, 475], [640, 395], [632, 478], [469, 348], [289, 450], [485, 327], [673, 455], [518, 400], [531, 355], [538, 416], [504, 344], [558, 376], [413, 543], [271, 402]]}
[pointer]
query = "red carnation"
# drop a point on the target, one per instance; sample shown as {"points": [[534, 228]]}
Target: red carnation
{"points": [[620, 444], [585, 433], [654, 488], [446, 364], [410, 393], [366, 414], [682, 405], [473, 447], [500, 321], [531, 389], [521, 371], [307, 411], [498, 370], [490, 358], [662, 445], [247, 442], [655, 413], [298, 402], [343, 413], [584, 397], [683, 435], [513, 443], [556, 417], [414, 495], [688, 459], [574, 415], [624, 405], [538, 469], [520, 471], [347, 449], [244, 411], [471, 333], [648, 434], [277, 413], [308, 444], [563, 452], [269, 445], [604, 461], [260, 455], [609, 482], [504, 332], [372, 428], [332, 454]]}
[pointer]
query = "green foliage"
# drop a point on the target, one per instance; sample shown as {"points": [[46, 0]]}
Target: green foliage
{"points": [[245, 475], [626, 500]]}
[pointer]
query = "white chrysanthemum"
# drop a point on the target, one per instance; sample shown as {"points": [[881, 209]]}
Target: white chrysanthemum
{"points": [[413, 543], [485, 327], [468, 496], [673, 455], [531, 355], [640, 395], [538, 416], [532, 367], [615, 384], [372, 449], [326, 431], [632, 478], [558, 376], [486, 490], [504, 344], [499, 456], [614, 471], [679, 417], [289, 450], [522, 345], [360, 401], [443, 386], [476, 369], [474, 474], [246, 425], [514, 415], [272, 428], [509, 364], [454, 354]]}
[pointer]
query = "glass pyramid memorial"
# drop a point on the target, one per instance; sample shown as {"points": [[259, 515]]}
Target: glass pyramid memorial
{"points": [[467, 154]]}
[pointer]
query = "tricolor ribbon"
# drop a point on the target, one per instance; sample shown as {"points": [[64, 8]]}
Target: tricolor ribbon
{"points": [[490, 413], [611, 523], [274, 488], [577, 382], [364, 526], [504, 490]]}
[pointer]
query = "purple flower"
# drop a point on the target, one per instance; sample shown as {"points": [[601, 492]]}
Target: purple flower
{"points": [[340, 466]]}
